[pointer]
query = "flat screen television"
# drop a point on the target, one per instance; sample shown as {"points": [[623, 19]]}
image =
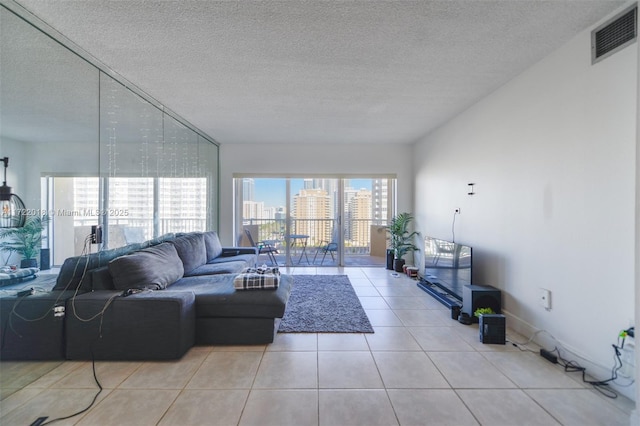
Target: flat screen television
{"points": [[447, 268]]}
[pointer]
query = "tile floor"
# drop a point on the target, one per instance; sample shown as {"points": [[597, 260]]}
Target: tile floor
{"points": [[418, 368]]}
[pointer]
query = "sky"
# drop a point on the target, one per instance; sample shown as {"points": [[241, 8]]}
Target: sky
{"points": [[272, 191]]}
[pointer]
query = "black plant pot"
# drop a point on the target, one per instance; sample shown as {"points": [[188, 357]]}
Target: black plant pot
{"points": [[28, 263], [398, 264]]}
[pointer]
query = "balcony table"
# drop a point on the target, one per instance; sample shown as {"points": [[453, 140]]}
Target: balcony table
{"points": [[300, 240]]}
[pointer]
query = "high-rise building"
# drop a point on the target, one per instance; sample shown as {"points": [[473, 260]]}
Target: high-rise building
{"points": [[182, 198], [131, 202], [360, 218], [312, 215], [86, 194], [349, 194], [248, 189], [281, 213], [331, 188], [253, 210], [308, 184], [380, 201], [269, 213]]}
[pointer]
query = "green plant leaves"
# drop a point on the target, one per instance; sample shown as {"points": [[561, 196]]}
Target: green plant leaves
{"points": [[27, 240], [400, 238]]}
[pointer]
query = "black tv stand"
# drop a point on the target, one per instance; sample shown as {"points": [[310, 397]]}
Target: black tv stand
{"points": [[440, 293]]}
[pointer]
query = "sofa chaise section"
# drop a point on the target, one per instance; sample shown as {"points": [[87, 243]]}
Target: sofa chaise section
{"points": [[148, 325], [31, 328], [225, 315]]}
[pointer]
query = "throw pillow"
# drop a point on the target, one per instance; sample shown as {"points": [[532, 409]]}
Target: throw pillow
{"points": [[191, 250], [101, 279], [213, 245], [154, 267]]}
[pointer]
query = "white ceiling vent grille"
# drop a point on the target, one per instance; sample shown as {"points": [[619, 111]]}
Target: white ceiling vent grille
{"points": [[615, 34]]}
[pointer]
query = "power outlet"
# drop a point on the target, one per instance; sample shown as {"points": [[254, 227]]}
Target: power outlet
{"points": [[545, 298]]}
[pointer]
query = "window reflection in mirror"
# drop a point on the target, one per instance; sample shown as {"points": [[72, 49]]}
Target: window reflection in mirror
{"points": [[48, 126], [139, 209], [49, 115], [86, 150]]}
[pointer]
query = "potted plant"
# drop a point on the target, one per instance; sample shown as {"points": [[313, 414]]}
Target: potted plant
{"points": [[483, 311], [400, 238], [26, 241]]}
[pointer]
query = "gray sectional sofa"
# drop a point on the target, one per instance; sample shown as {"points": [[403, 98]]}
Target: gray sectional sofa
{"points": [[146, 301]]}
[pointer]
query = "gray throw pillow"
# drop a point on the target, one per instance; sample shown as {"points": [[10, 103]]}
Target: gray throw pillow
{"points": [[154, 267], [101, 279], [191, 250], [213, 245]]}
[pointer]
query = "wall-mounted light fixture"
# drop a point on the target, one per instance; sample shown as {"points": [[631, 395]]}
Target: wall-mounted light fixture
{"points": [[12, 211], [471, 192]]}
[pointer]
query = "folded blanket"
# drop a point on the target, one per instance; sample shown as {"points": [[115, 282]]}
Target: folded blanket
{"points": [[263, 277], [7, 276]]}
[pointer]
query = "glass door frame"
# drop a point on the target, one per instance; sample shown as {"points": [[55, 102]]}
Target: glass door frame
{"points": [[339, 218]]}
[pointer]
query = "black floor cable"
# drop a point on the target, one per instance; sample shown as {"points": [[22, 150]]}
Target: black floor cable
{"points": [[601, 386], [41, 421]]}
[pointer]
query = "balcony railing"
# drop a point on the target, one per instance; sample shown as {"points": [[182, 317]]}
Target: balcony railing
{"points": [[319, 232], [359, 235]]}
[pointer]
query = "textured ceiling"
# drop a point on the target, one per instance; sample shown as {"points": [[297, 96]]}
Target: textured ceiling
{"points": [[319, 71]]}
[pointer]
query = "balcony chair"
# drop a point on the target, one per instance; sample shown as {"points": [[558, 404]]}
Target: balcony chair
{"points": [[327, 247], [263, 247]]}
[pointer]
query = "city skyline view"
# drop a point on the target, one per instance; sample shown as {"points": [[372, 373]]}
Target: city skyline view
{"points": [[314, 207], [272, 191]]}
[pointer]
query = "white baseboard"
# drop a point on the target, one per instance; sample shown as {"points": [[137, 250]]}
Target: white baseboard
{"points": [[545, 340]]}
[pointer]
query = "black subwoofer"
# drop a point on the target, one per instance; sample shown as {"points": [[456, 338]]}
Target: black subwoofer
{"points": [[480, 296]]}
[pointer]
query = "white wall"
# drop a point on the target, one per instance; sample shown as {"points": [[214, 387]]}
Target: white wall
{"points": [[28, 161], [553, 157], [16, 171], [635, 417], [283, 159]]}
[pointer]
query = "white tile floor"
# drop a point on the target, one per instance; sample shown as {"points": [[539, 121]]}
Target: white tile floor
{"points": [[418, 368]]}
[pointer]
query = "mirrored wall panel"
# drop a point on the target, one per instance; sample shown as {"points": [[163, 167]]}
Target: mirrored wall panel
{"points": [[49, 120], [85, 150]]}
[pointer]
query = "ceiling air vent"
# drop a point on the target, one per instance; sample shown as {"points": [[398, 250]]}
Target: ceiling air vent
{"points": [[615, 34]]}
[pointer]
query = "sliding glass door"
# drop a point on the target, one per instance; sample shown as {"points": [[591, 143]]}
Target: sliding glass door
{"points": [[315, 221], [365, 208]]}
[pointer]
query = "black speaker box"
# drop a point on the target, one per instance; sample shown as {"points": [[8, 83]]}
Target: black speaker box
{"points": [[455, 312], [480, 296], [390, 257], [492, 329], [45, 259]]}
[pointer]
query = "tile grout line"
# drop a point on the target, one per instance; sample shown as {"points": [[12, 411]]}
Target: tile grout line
{"points": [[255, 376]]}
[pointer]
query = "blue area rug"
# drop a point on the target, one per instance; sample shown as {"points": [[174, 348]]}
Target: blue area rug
{"points": [[324, 304]]}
